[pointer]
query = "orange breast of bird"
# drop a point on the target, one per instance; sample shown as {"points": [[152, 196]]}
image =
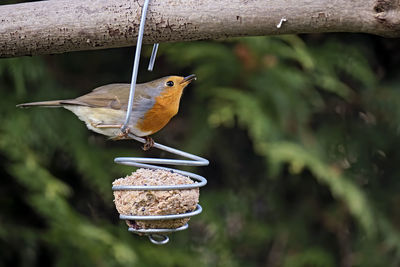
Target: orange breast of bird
{"points": [[165, 107]]}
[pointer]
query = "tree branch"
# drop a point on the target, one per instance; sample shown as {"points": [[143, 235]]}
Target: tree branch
{"points": [[49, 27]]}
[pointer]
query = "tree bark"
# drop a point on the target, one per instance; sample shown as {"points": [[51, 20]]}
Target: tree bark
{"points": [[49, 27]]}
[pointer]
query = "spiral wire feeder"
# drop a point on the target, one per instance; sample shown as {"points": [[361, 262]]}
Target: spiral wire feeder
{"points": [[157, 236]]}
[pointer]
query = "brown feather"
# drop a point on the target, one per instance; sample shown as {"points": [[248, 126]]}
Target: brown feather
{"points": [[52, 103]]}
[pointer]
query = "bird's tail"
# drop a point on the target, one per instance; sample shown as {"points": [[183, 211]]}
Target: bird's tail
{"points": [[53, 103]]}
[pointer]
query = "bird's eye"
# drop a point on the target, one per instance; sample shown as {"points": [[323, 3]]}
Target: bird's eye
{"points": [[170, 83]]}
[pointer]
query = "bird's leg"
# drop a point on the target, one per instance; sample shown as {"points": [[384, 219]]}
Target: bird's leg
{"points": [[149, 143], [101, 125], [121, 135]]}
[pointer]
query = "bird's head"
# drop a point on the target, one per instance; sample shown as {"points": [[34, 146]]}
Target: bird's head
{"points": [[178, 82], [171, 83], [170, 87]]}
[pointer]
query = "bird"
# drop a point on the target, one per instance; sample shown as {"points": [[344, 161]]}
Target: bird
{"points": [[104, 108]]}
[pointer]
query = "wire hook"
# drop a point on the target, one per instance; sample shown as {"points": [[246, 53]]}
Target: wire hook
{"points": [[283, 19]]}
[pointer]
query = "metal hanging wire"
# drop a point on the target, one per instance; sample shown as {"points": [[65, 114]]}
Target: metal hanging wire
{"points": [[153, 57], [157, 236]]}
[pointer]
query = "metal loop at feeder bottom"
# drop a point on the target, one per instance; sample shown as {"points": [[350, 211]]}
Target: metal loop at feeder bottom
{"points": [[156, 236], [159, 239]]}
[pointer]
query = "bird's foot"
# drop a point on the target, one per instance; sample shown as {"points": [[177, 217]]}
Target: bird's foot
{"points": [[121, 135], [149, 143]]}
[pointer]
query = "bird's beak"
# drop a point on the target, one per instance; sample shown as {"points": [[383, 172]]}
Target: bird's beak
{"points": [[188, 79]]}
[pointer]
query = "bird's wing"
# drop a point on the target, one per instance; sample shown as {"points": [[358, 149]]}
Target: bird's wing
{"points": [[114, 96]]}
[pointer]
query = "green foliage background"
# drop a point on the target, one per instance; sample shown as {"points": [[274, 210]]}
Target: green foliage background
{"points": [[302, 133]]}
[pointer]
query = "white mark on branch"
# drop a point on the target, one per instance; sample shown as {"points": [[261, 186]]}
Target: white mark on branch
{"points": [[283, 19]]}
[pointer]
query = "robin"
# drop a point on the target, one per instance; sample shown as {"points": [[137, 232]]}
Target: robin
{"points": [[104, 109]]}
